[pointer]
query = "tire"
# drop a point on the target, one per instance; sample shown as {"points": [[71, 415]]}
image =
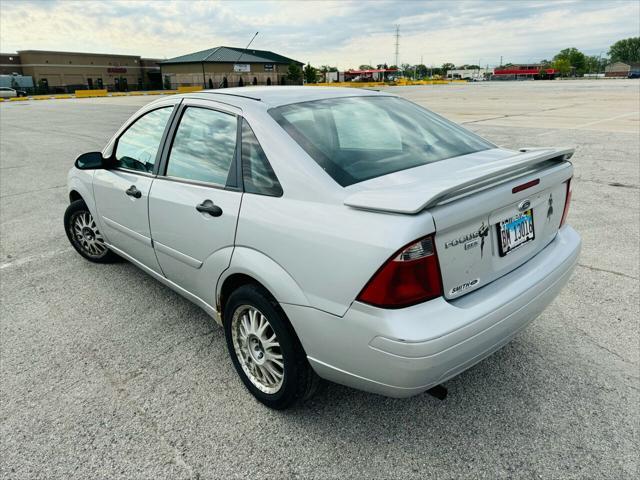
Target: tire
{"points": [[84, 236], [298, 381]]}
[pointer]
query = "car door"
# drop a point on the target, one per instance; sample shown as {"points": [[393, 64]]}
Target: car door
{"points": [[122, 191], [194, 202]]}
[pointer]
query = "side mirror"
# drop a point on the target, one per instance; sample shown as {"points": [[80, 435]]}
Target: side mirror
{"points": [[90, 161]]}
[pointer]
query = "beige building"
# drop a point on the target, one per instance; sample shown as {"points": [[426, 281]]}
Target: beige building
{"points": [[68, 71], [226, 67], [10, 64], [621, 69]]}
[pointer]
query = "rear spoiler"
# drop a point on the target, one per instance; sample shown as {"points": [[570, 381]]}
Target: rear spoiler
{"points": [[438, 182]]}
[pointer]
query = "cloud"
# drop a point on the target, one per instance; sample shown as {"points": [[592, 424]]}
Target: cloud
{"points": [[343, 33]]}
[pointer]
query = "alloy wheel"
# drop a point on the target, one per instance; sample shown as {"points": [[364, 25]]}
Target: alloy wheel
{"points": [[257, 349], [87, 236]]}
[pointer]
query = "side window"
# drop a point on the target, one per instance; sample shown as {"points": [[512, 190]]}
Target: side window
{"points": [[257, 174], [138, 146], [204, 146]]}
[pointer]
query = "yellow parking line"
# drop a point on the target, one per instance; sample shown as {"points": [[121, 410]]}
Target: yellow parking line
{"points": [[63, 96]]}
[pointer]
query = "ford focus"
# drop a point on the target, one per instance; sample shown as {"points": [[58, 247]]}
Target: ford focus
{"points": [[342, 234]]}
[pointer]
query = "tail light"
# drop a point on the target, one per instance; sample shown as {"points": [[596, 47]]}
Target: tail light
{"points": [[411, 276], [567, 202]]}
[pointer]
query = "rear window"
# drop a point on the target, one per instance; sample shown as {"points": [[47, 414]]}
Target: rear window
{"points": [[358, 138]]}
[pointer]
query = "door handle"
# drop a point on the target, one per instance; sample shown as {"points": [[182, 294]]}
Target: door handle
{"points": [[208, 207], [132, 191]]}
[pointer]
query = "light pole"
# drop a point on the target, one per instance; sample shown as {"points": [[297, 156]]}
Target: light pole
{"points": [[598, 67]]}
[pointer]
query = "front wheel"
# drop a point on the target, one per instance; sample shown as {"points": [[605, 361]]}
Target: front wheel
{"points": [[84, 235], [265, 350]]}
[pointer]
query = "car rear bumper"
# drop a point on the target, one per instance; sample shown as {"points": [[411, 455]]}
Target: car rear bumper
{"points": [[403, 352]]}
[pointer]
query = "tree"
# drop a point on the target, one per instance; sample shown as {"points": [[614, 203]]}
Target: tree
{"points": [[365, 67], [562, 66], [627, 50], [595, 64], [446, 67], [310, 74], [575, 57], [421, 71], [294, 73]]}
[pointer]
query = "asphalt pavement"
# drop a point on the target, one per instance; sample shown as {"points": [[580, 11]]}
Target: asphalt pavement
{"points": [[106, 373]]}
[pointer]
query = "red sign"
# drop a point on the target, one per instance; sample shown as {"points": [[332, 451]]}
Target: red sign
{"points": [[116, 70]]}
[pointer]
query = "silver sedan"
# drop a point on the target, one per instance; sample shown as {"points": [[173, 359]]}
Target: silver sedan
{"points": [[342, 234]]}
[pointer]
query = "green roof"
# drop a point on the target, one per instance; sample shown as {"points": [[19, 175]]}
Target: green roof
{"points": [[230, 55]]}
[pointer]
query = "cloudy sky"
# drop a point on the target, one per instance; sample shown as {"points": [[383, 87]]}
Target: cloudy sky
{"points": [[345, 33]]}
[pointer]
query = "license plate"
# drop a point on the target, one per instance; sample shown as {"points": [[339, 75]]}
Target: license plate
{"points": [[515, 231]]}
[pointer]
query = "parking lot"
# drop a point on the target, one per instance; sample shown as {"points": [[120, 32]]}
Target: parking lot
{"points": [[106, 373]]}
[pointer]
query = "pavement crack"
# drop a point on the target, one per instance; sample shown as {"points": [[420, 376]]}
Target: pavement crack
{"points": [[490, 118], [524, 114], [623, 185], [602, 347], [610, 184], [596, 269], [32, 191]]}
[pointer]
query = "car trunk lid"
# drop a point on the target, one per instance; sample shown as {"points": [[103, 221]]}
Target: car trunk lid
{"points": [[492, 210]]}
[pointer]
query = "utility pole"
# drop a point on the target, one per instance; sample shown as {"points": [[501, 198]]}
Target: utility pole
{"points": [[500, 60], [397, 44]]}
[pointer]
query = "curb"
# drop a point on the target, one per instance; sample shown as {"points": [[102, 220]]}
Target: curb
{"points": [[64, 96]]}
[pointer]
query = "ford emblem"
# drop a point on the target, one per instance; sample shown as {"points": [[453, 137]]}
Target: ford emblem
{"points": [[524, 205]]}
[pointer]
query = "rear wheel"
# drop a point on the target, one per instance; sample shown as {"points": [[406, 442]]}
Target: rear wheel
{"points": [[84, 235], [264, 349]]}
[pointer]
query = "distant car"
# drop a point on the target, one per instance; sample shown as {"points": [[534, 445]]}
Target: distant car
{"points": [[634, 74], [6, 92], [337, 232]]}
